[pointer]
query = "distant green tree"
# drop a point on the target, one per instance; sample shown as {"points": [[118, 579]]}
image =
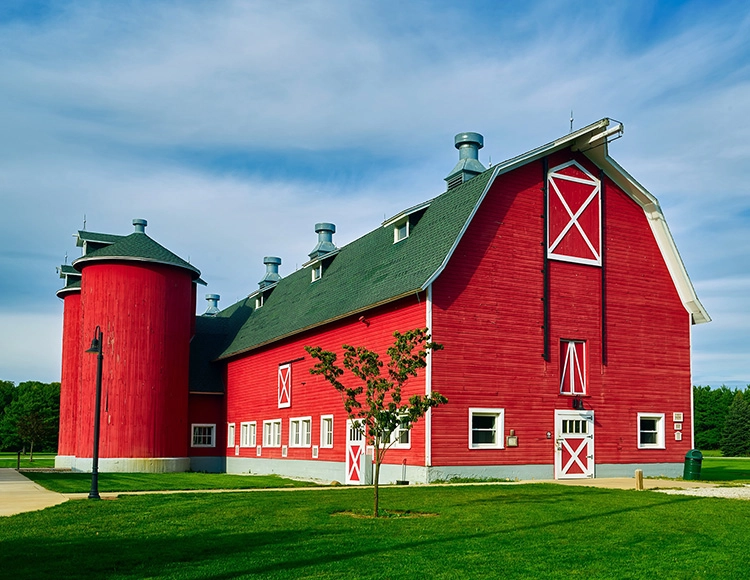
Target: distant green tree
{"points": [[735, 440], [711, 407], [32, 418]]}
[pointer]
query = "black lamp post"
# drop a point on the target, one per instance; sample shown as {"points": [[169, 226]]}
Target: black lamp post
{"points": [[96, 347]]}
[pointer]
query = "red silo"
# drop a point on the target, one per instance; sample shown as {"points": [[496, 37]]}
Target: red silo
{"points": [[142, 297], [71, 366]]}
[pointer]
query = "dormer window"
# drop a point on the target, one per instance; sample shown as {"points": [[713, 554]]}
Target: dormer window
{"points": [[259, 301], [317, 271], [401, 230]]}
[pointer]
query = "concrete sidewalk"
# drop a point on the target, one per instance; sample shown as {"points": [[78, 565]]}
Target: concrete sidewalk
{"points": [[19, 494]]}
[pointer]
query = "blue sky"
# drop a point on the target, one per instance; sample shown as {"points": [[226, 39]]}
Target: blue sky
{"points": [[234, 126]]}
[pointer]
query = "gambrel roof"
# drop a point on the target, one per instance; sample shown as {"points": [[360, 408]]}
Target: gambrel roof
{"points": [[374, 270]]}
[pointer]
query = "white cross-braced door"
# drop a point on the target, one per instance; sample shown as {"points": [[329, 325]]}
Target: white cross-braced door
{"points": [[574, 228], [574, 444]]}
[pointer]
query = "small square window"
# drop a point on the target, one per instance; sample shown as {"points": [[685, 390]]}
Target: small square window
{"points": [[247, 434], [401, 438], [486, 428], [651, 430], [401, 231], [299, 432], [326, 431], [204, 435], [272, 433]]}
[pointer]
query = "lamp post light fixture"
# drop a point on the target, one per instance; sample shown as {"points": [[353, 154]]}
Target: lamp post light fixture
{"points": [[96, 347]]}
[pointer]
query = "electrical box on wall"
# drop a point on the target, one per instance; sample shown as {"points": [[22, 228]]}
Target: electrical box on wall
{"points": [[511, 440]]}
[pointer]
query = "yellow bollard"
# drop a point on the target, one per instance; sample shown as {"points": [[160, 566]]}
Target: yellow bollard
{"points": [[639, 479]]}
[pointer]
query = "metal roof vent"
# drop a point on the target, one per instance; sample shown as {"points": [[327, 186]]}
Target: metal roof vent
{"points": [[325, 245], [140, 226], [468, 166], [213, 305], [272, 271]]}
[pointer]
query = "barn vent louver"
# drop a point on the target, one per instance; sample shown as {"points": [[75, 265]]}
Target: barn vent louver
{"points": [[468, 166]]}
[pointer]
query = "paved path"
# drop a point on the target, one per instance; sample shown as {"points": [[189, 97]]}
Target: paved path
{"points": [[19, 494]]}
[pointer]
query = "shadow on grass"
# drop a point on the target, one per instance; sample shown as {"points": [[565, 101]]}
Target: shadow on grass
{"points": [[224, 538]]}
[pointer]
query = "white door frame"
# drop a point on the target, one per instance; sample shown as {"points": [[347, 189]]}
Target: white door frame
{"points": [[574, 451], [355, 453]]}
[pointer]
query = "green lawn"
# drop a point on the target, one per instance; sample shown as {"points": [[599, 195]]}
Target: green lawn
{"points": [[67, 482], [726, 469], [514, 531], [40, 460]]}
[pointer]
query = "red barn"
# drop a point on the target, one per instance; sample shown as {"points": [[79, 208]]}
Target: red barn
{"points": [[551, 279]]}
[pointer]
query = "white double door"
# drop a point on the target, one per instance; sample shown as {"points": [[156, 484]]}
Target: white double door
{"points": [[574, 444]]}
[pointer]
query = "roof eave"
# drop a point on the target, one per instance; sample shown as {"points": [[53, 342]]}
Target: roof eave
{"points": [[78, 263]]}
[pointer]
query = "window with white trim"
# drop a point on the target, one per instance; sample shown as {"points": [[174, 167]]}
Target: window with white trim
{"points": [[326, 431], [317, 271], [284, 386], [401, 437], [230, 434], [272, 433], [299, 431], [572, 367], [486, 428], [259, 301], [204, 435], [247, 434], [651, 431], [400, 230]]}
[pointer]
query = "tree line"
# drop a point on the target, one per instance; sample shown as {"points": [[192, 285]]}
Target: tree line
{"points": [[722, 420], [29, 416]]}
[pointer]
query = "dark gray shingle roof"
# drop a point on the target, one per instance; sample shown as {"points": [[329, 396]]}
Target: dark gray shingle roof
{"points": [[368, 271]]}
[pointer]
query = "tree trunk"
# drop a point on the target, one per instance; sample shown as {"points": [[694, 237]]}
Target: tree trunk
{"points": [[31, 457], [377, 478]]}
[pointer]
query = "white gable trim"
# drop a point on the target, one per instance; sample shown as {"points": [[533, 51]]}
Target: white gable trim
{"points": [[592, 142], [660, 230]]}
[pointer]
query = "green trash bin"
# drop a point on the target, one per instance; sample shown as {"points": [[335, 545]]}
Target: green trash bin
{"points": [[693, 462]]}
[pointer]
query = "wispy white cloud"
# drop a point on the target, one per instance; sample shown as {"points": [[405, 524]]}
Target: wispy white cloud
{"points": [[344, 112]]}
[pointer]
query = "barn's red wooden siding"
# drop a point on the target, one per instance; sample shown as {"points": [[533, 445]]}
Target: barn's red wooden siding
{"points": [[252, 381], [207, 409], [488, 311], [70, 375], [144, 311]]}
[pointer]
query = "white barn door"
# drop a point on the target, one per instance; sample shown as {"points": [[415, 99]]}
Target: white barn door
{"points": [[574, 444], [355, 453]]}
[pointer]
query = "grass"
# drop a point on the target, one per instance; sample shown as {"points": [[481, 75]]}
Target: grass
{"points": [[67, 482], [40, 460], [518, 531], [726, 469]]}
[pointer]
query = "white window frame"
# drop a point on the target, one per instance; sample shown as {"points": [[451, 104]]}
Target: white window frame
{"points": [[317, 271], [230, 434], [211, 426], [299, 436], [398, 227], [248, 433], [395, 436], [259, 299], [284, 385], [660, 422], [272, 433], [499, 415], [324, 432], [578, 368]]}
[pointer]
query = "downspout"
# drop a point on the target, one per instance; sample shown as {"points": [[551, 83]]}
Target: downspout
{"points": [[545, 298], [428, 386]]}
